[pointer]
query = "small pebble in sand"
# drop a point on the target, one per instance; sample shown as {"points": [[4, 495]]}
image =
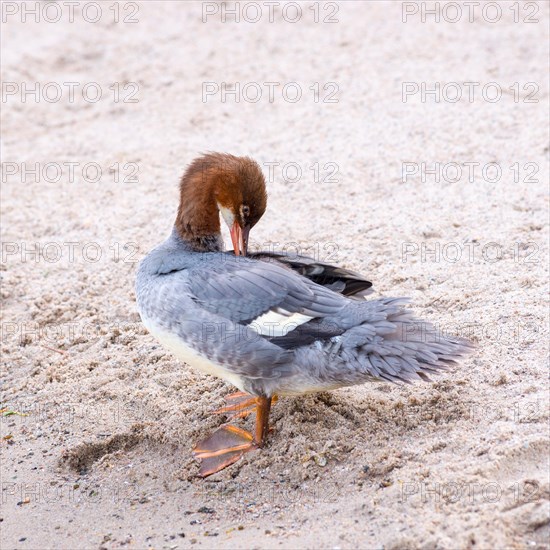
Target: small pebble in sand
{"points": [[206, 510]]}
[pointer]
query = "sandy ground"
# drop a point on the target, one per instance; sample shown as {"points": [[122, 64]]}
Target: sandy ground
{"points": [[98, 421]]}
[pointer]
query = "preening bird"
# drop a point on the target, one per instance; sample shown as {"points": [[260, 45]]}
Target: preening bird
{"points": [[270, 324]]}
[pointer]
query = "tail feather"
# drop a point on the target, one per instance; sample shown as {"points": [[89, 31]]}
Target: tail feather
{"points": [[366, 341], [402, 349]]}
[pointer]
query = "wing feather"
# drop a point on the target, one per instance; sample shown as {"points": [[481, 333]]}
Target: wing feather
{"points": [[248, 291]]}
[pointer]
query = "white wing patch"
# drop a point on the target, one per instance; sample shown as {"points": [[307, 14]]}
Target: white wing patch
{"points": [[278, 322]]}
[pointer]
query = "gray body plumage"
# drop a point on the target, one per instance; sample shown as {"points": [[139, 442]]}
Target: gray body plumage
{"points": [[267, 325]]}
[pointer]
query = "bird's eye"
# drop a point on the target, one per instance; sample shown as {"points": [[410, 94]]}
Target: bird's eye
{"points": [[246, 210]]}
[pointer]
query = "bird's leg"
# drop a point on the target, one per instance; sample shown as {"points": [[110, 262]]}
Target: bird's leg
{"points": [[262, 420], [229, 443]]}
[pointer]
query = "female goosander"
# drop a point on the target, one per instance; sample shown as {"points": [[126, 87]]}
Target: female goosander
{"points": [[270, 324]]}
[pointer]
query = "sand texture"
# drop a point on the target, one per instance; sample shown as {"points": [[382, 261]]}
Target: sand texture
{"points": [[98, 420]]}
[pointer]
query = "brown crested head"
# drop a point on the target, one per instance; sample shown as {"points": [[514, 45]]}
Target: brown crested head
{"points": [[218, 182]]}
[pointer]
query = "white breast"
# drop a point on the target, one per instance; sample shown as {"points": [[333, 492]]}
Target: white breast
{"points": [[188, 355]]}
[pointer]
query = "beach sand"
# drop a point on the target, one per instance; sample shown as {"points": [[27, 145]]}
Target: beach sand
{"points": [[99, 420]]}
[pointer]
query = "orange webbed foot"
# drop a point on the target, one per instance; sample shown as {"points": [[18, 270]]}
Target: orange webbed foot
{"points": [[239, 405], [223, 448], [229, 443]]}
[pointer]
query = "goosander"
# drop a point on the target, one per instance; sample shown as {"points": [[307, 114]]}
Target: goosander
{"points": [[270, 324]]}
